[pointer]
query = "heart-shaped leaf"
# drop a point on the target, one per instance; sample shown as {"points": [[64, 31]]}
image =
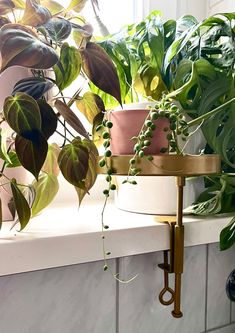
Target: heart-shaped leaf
{"points": [[36, 87], [51, 163], [90, 105], [6, 6], [70, 59], [28, 50], [58, 29], [46, 189], [100, 70], [92, 170], [35, 14], [22, 114], [70, 117], [49, 118], [22, 207], [73, 162], [32, 153]]}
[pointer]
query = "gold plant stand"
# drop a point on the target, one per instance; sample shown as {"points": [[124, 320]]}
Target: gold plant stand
{"points": [[179, 167]]}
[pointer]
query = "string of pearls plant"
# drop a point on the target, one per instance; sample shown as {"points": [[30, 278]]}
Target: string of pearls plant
{"points": [[178, 127]]}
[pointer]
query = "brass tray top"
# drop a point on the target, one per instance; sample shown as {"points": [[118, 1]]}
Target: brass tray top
{"points": [[166, 165]]}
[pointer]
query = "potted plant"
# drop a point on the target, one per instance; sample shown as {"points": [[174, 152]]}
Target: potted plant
{"points": [[197, 69], [37, 36]]}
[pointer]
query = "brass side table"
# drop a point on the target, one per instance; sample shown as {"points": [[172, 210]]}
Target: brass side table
{"points": [[179, 167]]}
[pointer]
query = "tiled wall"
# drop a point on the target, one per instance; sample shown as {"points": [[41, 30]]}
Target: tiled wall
{"points": [[84, 299]]}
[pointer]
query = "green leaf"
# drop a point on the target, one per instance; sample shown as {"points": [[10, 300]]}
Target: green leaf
{"points": [[58, 29], [48, 117], [90, 105], [35, 14], [20, 4], [76, 5], [53, 6], [227, 236], [22, 114], [32, 153], [28, 50], [4, 136], [14, 161], [21, 205], [35, 87], [50, 165], [91, 172], [74, 162], [70, 117], [97, 135], [100, 70], [46, 189], [70, 59]]}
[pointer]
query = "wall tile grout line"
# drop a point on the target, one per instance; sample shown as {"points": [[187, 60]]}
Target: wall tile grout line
{"points": [[117, 295], [217, 328], [206, 291]]}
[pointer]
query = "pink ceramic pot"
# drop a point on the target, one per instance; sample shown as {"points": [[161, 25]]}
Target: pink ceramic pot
{"points": [[127, 123]]}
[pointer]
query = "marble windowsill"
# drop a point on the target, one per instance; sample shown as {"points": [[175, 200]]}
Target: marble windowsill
{"points": [[62, 236]]}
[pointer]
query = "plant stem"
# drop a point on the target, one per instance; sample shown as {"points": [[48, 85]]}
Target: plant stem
{"points": [[210, 113]]}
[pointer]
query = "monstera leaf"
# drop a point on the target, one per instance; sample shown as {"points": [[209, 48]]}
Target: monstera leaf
{"points": [[100, 70], [28, 50], [35, 14], [36, 87], [74, 162]]}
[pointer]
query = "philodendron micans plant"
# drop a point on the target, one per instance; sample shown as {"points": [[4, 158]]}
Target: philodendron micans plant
{"points": [[56, 44]]}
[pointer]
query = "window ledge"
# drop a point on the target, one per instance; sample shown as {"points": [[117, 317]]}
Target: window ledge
{"points": [[63, 236]]}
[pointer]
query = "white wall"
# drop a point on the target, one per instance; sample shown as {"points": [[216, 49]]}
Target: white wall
{"points": [[220, 6]]}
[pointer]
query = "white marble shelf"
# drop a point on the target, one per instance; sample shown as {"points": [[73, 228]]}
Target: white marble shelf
{"points": [[63, 236]]}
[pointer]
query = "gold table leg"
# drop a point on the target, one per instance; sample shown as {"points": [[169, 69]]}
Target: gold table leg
{"points": [[176, 255]]}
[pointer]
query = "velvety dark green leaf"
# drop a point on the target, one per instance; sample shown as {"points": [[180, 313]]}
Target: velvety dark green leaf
{"points": [[90, 105], [36, 87], [32, 153], [91, 172], [22, 207], [70, 117], [46, 189], [74, 162], [50, 165], [70, 60], [53, 6], [100, 70], [22, 113], [35, 14], [48, 117], [58, 29], [6, 6], [28, 50], [227, 236]]}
